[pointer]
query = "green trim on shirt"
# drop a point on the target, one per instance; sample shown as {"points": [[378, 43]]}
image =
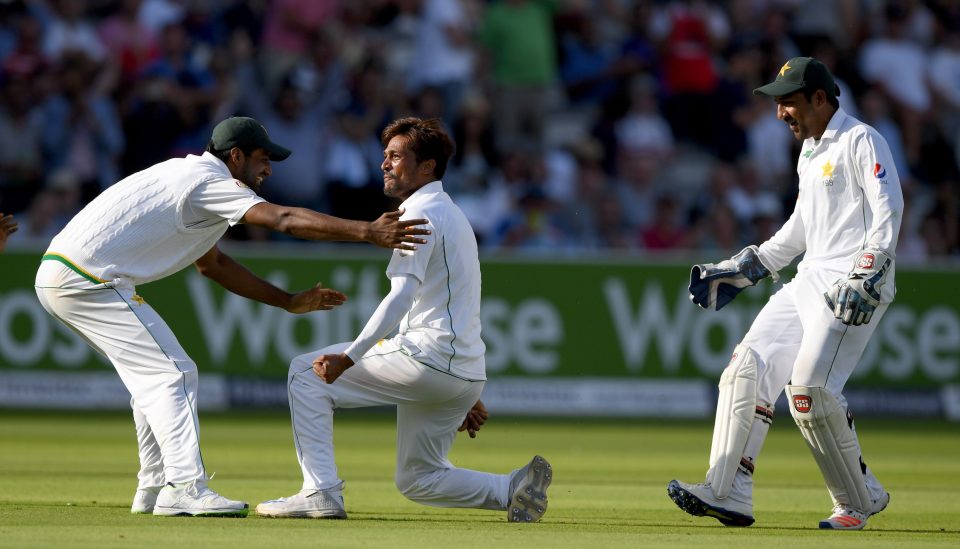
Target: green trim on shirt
{"points": [[73, 267]]}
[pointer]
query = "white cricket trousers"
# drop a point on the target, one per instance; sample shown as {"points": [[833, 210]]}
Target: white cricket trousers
{"points": [[161, 378], [799, 341], [431, 405]]}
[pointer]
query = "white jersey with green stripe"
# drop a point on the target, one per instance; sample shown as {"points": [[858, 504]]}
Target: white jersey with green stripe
{"points": [[154, 222], [850, 199], [442, 328]]}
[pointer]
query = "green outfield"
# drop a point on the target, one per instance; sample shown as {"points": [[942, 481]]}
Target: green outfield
{"points": [[66, 480]]}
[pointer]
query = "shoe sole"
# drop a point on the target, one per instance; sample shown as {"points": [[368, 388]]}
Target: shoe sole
{"points": [[178, 512], [699, 508], [303, 514], [529, 501], [827, 525]]}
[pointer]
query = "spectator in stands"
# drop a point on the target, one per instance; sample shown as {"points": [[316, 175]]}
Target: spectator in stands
{"points": [[351, 167], [643, 130], [689, 33], [445, 56], [288, 30], [592, 68], [907, 86], [81, 127], [130, 43], [71, 31], [51, 209], [21, 149], [476, 154], [667, 230], [944, 75], [518, 37]]}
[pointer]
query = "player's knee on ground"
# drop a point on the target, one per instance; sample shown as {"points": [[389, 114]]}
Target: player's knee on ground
{"points": [[406, 482], [412, 486]]}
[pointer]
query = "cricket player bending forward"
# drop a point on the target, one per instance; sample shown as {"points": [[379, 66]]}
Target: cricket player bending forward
{"points": [[810, 335], [153, 224], [433, 370]]}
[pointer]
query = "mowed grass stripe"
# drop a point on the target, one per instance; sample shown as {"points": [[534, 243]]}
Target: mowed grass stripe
{"points": [[66, 480]]}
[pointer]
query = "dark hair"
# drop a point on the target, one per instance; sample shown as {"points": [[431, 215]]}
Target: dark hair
{"points": [[428, 140], [223, 155], [831, 97]]}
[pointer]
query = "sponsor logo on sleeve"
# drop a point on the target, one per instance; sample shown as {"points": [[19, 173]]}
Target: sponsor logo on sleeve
{"points": [[802, 403], [880, 172]]}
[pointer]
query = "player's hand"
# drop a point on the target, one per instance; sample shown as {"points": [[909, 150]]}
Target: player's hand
{"points": [[8, 226], [330, 367], [713, 285], [389, 231], [317, 298], [854, 299], [475, 419]]}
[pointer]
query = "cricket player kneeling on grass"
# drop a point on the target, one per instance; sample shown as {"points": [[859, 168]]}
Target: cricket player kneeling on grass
{"points": [[433, 370]]}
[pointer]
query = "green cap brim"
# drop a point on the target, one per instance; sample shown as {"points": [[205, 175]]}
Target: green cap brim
{"points": [[277, 152], [781, 88], [778, 88]]}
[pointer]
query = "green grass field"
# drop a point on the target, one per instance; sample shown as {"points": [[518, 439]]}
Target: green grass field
{"points": [[66, 480]]}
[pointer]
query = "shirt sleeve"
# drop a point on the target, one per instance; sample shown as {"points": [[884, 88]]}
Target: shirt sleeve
{"points": [[414, 262], [789, 242], [877, 176], [212, 201], [397, 303]]}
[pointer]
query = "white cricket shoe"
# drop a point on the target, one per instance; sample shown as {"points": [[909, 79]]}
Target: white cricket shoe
{"points": [[699, 501], [528, 491], [194, 498], [144, 500], [308, 503], [880, 503], [848, 518]]}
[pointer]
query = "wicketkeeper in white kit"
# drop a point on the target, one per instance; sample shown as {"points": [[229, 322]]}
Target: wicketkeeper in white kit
{"points": [[433, 370], [153, 224], [810, 335]]}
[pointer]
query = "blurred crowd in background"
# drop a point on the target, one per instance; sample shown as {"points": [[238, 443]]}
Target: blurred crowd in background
{"points": [[580, 125]]}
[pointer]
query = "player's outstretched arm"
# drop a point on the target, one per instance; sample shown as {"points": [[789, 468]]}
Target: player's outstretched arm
{"points": [[236, 278], [387, 231], [713, 285]]}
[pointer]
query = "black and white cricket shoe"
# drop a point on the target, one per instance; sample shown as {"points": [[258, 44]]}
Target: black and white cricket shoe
{"points": [[528, 491], [699, 501]]}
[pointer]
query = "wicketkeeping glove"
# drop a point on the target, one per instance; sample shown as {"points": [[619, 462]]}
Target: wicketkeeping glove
{"points": [[713, 285], [854, 299]]}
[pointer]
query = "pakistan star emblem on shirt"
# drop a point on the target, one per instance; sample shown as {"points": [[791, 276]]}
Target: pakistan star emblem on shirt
{"points": [[827, 169]]}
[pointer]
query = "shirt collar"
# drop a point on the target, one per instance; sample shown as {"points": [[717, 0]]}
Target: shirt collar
{"points": [[434, 187], [835, 123], [208, 158]]}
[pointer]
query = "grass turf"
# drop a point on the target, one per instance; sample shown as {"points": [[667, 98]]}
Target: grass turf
{"points": [[66, 480]]}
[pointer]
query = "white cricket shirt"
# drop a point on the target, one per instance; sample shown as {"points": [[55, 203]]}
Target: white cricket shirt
{"points": [[442, 328], [155, 222], [850, 199]]}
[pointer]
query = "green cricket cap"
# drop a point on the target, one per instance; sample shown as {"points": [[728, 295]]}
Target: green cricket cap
{"points": [[800, 73], [248, 134]]}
